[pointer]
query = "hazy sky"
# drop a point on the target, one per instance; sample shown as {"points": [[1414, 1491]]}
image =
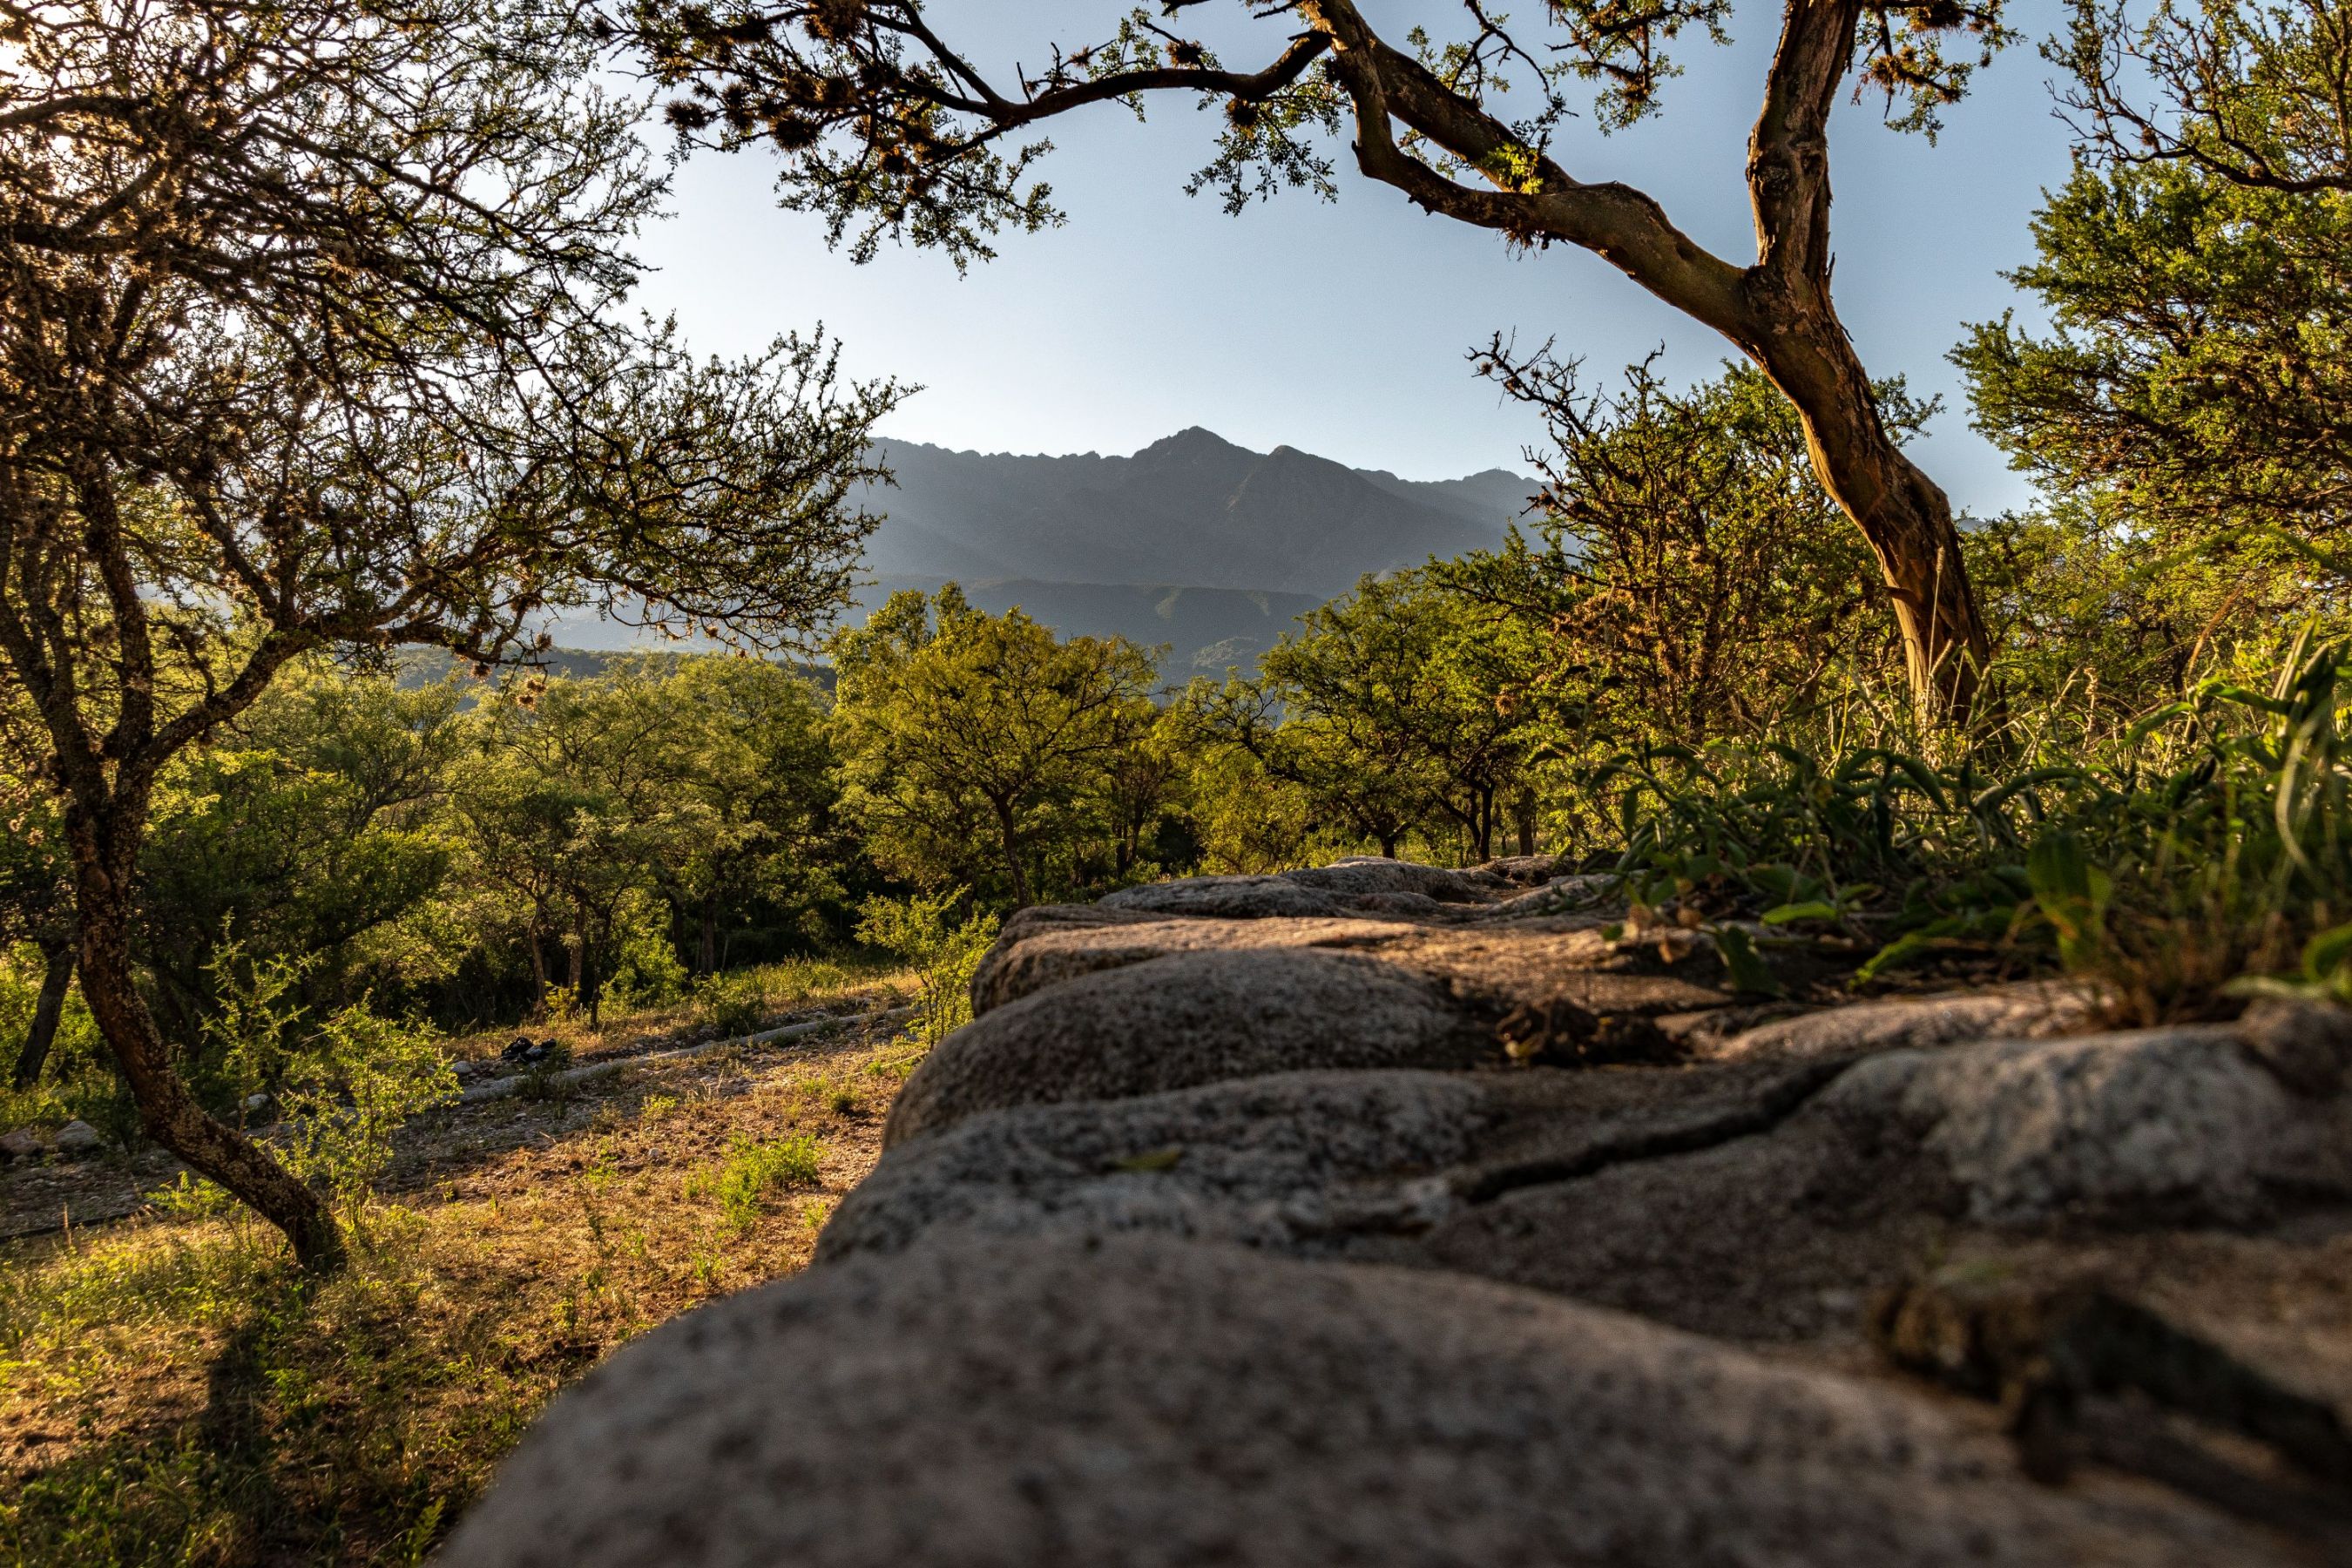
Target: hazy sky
{"points": [[1341, 328]]}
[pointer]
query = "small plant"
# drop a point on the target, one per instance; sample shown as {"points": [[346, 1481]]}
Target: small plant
{"points": [[732, 1004], [349, 1087], [754, 1169], [657, 1109], [543, 1081], [2209, 842], [944, 955], [193, 1197]]}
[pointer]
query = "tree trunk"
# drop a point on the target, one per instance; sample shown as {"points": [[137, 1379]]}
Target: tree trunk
{"points": [[57, 978], [1903, 513], [1012, 853], [537, 942], [1389, 846], [167, 1110], [707, 959], [1523, 814]]}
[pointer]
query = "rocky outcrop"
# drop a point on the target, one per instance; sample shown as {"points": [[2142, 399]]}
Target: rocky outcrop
{"points": [[1383, 1214]]}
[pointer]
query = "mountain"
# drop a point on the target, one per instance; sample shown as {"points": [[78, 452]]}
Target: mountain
{"points": [[1193, 510], [1204, 630]]}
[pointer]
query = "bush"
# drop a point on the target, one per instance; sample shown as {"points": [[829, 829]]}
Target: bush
{"points": [[646, 968], [2209, 839], [348, 1088], [731, 1005], [943, 955]]}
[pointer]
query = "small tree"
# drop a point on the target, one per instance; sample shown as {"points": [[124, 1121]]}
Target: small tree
{"points": [[308, 340], [970, 742], [1692, 580], [888, 129]]}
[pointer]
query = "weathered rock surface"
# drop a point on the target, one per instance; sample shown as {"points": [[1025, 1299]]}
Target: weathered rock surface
{"points": [[1184, 1019], [1381, 1213], [1150, 1402]]}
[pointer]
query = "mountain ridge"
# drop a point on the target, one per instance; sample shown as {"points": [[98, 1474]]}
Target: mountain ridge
{"points": [[1190, 508]]}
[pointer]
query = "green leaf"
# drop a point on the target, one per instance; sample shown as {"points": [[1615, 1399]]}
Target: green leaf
{"points": [[2328, 951], [1152, 1160], [1749, 973], [1783, 914]]}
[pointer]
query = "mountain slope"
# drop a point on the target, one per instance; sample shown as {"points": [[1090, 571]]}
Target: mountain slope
{"points": [[1194, 509]]}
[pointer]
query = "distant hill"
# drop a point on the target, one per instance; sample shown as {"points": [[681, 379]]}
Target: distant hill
{"points": [[1194, 509]]}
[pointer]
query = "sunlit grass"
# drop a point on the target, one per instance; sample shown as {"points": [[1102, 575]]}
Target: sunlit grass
{"points": [[170, 1391]]}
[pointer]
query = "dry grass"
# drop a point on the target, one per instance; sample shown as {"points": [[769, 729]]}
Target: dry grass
{"points": [[171, 1391]]}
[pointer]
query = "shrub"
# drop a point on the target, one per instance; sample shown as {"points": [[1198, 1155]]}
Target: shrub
{"points": [[944, 955], [2209, 839], [731, 1005], [349, 1087]]}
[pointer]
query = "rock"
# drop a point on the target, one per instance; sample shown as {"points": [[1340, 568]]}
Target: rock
{"points": [[1301, 1162], [1034, 953], [1365, 885], [2178, 1124], [1188, 1019], [1148, 1402], [1496, 969], [78, 1138], [1246, 897], [22, 1143], [2034, 1010], [1746, 1221], [2306, 1045]]}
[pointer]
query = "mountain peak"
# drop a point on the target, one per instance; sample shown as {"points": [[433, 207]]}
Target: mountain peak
{"points": [[1193, 441], [1191, 508]]}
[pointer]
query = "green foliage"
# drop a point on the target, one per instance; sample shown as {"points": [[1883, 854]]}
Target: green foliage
{"points": [[2206, 839], [982, 750], [1392, 711], [944, 954], [1695, 579], [754, 1169], [731, 1005], [350, 1085], [77, 1083]]}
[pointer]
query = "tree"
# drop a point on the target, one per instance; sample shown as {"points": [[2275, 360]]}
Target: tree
{"points": [[757, 764], [36, 906], [887, 128], [973, 744], [2193, 393], [301, 828], [1383, 708], [2187, 409], [1691, 579], [308, 340]]}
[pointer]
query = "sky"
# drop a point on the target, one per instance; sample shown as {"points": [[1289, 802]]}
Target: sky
{"points": [[1342, 329]]}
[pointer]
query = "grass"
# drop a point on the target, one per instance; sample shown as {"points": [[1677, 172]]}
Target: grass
{"points": [[171, 1392], [2199, 852], [754, 1169]]}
